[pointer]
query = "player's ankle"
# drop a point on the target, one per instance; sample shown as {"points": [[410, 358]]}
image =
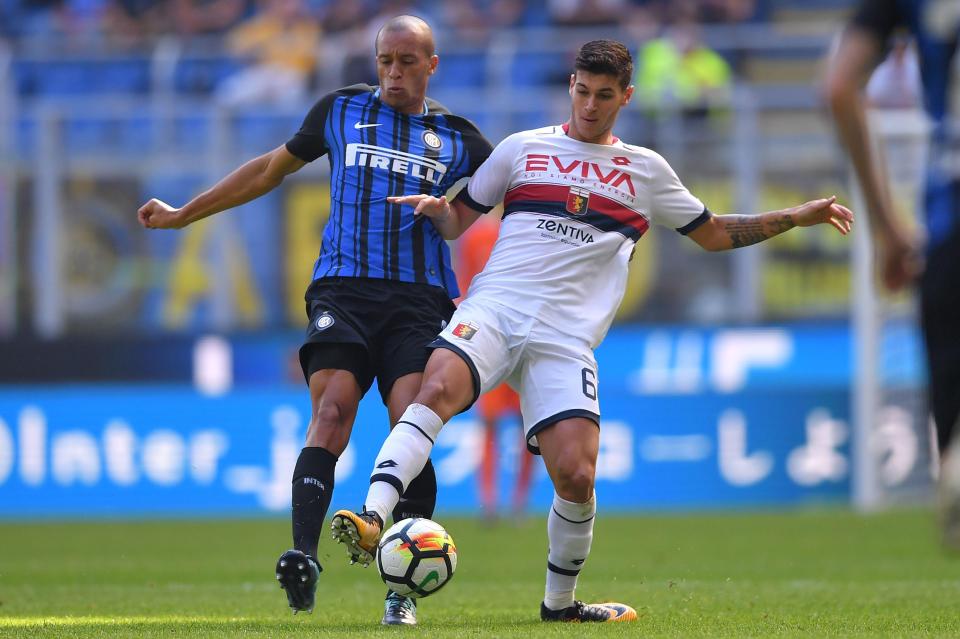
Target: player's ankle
{"points": [[558, 600], [377, 517]]}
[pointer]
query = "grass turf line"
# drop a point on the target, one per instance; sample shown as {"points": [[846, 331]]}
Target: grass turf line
{"points": [[811, 574]]}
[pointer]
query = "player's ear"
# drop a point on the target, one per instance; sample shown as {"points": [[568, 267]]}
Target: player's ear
{"points": [[573, 82], [434, 61], [627, 95]]}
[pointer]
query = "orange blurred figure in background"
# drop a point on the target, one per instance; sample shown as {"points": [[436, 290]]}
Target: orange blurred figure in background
{"points": [[473, 249]]}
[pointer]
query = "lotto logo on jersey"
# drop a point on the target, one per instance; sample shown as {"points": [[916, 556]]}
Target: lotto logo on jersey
{"points": [[465, 330], [378, 157], [577, 200]]}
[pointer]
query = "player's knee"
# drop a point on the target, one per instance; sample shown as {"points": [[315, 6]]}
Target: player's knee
{"points": [[575, 481], [331, 415], [330, 427], [435, 391]]}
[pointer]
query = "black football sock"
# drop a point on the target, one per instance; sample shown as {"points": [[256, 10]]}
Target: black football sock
{"points": [[420, 498], [312, 490]]}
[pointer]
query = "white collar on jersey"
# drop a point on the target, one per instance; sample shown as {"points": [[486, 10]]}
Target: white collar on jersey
{"points": [[376, 94]]}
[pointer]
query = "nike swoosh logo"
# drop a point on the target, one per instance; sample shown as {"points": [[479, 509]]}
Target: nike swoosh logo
{"points": [[359, 126], [618, 611]]}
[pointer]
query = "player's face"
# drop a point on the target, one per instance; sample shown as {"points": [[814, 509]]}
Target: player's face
{"points": [[404, 67], [596, 100]]}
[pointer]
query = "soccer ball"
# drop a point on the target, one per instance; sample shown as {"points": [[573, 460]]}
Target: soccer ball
{"points": [[416, 557]]}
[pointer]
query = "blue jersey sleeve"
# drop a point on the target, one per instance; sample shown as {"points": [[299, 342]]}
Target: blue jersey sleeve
{"points": [[478, 149], [310, 142]]}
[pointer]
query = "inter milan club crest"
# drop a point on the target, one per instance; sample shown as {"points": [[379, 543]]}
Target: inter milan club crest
{"points": [[325, 321], [432, 140], [465, 330], [577, 200]]}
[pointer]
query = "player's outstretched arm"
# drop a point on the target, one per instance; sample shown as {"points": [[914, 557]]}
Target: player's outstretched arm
{"points": [[450, 219], [850, 66], [258, 176], [724, 232]]}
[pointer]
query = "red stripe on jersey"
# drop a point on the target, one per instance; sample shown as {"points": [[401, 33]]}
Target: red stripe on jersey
{"points": [[598, 203]]}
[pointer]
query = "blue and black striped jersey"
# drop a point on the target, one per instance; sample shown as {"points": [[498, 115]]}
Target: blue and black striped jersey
{"points": [[376, 152], [935, 25]]}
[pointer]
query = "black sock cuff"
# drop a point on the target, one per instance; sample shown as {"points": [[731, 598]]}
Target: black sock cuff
{"points": [[315, 462]]}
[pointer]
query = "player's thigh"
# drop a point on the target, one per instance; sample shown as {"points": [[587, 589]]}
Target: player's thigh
{"points": [[557, 380], [338, 336], [402, 393], [940, 316], [448, 384], [479, 338], [334, 398]]}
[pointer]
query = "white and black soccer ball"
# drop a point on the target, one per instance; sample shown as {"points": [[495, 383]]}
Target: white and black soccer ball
{"points": [[416, 557]]}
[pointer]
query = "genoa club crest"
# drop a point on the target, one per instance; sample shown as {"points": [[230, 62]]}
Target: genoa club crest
{"points": [[465, 330], [577, 200]]}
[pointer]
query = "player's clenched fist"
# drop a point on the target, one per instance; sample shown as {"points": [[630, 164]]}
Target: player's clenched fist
{"points": [[157, 214]]}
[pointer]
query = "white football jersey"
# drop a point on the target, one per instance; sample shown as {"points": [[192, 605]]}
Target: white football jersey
{"points": [[573, 212]]}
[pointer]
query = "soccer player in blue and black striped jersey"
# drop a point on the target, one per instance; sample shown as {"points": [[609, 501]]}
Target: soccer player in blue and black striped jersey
{"points": [[382, 285], [935, 27]]}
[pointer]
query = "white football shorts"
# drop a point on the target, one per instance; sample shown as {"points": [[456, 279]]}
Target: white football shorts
{"points": [[554, 373]]}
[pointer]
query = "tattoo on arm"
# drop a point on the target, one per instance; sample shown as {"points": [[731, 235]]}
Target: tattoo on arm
{"points": [[744, 230]]}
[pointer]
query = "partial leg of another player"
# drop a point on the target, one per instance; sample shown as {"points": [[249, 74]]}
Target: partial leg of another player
{"points": [[335, 396], [418, 500], [447, 389], [940, 316], [521, 490], [488, 469], [569, 448]]}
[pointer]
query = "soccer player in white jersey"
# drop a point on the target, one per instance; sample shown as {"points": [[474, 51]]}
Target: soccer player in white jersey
{"points": [[576, 200]]}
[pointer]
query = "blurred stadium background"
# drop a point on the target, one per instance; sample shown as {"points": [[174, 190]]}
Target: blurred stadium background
{"points": [[155, 374]]}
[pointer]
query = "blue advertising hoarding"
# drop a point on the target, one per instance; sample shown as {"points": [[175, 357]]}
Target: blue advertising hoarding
{"points": [[155, 450], [692, 418]]}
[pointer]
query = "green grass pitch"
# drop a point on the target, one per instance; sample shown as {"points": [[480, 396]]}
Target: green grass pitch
{"points": [[825, 573]]}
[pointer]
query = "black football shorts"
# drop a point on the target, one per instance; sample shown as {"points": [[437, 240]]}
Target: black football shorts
{"points": [[373, 328]]}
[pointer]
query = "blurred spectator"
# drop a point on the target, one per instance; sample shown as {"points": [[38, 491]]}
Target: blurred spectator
{"points": [[68, 21], [38, 18], [474, 22], [134, 22], [587, 12], [282, 41], [506, 13], [342, 17], [359, 61], [702, 11], [204, 17], [346, 24], [714, 11], [677, 70], [466, 20]]}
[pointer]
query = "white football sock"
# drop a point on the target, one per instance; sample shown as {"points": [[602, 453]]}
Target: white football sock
{"points": [[570, 531], [401, 458]]}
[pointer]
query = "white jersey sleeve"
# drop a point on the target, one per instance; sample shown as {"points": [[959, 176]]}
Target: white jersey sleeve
{"points": [[491, 181], [671, 204]]}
